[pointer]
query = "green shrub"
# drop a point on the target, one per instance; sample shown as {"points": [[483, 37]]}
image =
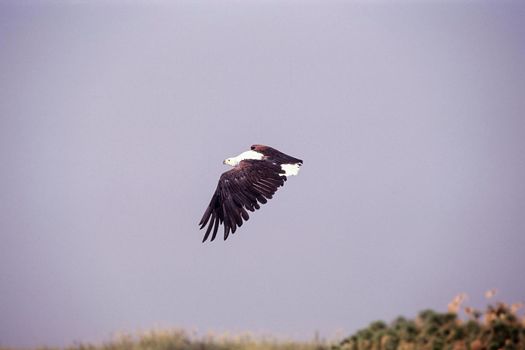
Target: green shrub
{"points": [[499, 328]]}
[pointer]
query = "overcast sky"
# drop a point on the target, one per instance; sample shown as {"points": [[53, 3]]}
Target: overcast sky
{"points": [[115, 118]]}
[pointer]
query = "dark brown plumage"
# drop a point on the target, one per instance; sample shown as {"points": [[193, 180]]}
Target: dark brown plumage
{"points": [[274, 155], [251, 183]]}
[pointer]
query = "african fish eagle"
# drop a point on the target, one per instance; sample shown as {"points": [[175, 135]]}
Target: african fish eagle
{"points": [[255, 177]]}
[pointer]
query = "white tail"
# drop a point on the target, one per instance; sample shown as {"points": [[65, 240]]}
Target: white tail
{"points": [[291, 169]]}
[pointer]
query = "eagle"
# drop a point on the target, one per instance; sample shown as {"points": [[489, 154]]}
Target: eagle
{"points": [[255, 177]]}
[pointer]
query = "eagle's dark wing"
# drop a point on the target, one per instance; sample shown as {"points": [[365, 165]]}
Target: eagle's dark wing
{"points": [[275, 156], [240, 189]]}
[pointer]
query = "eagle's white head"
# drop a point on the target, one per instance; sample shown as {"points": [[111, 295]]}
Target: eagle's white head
{"points": [[231, 161]]}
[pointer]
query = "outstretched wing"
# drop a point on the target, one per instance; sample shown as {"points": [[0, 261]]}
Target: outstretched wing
{"points": [[240, 189], [275, 156]]}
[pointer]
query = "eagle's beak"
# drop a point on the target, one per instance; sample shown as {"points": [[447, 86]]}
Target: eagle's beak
{"points": [[224, 161]]}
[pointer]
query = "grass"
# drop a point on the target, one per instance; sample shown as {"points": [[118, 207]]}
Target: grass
{"points": [[177, 339]]}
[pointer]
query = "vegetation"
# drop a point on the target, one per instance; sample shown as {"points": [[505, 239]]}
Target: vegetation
{"points": [[498, 327], [182, 340]]}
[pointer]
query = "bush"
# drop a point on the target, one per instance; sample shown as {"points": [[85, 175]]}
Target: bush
{"points": [[498, 328]]}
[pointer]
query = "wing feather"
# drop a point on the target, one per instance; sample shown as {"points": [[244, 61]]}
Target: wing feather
{"points": [[242, 188], [208, 230], [215, 229], [274, 155]]}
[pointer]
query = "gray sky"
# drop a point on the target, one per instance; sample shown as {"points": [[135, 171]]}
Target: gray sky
{"points": [[115, 119]]}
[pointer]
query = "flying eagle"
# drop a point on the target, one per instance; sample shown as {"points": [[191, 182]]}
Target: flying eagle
{"points": [[255, 177]]}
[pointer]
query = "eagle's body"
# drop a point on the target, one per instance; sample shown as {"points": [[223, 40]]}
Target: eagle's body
{"points": [[255, 177]]}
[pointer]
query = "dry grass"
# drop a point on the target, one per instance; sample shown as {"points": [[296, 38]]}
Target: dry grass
{"points": [[176, 339]]}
